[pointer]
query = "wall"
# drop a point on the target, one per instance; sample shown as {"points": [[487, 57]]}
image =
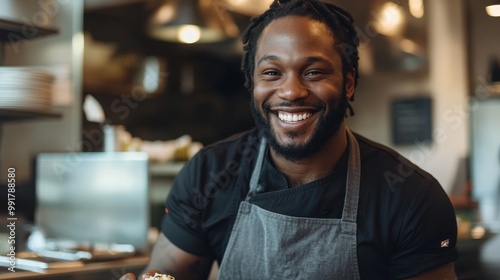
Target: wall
{"points": [[21, 141], [446, 84], [485, 135], [484, 41]]}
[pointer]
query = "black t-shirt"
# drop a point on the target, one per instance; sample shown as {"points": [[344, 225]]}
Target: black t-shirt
{"points": [[405, 224]]}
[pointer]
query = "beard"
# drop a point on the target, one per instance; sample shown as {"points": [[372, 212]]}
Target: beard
{"points": [[328, 125]]}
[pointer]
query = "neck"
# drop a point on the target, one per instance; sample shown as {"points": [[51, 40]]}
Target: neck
{"points": [[315, 166]]}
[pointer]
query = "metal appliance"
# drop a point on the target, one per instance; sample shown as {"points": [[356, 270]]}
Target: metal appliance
{"points": [[94, 197], [485, 159]]}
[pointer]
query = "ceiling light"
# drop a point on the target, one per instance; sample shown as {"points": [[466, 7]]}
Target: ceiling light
{"points": [[189, 34], [191, 21], [416, 8], [389, 19], [493, 10]]}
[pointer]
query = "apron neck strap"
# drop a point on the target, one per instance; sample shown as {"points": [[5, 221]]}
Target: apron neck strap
{"points": [[254, 180], [350, 211]]}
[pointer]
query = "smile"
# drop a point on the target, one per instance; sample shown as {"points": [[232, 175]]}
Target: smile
{"points": [[289, 117]]}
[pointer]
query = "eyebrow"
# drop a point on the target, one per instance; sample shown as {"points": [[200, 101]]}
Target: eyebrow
{"points": [[317, 59], [267, 58], [311, 59]]}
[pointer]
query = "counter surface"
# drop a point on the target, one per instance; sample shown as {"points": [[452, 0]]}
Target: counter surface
{"points": [[95, 270]]}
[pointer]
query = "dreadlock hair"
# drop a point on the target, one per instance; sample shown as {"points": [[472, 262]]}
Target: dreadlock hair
{"points": [[339, 21]]}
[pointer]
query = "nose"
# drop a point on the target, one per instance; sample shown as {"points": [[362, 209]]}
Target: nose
{"points": [[292, 88]]}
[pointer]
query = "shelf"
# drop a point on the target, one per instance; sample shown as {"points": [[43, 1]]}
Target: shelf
{"points": [[17, 114], [18, 30], [494, 88]]}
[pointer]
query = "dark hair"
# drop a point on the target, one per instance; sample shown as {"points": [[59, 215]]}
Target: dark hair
{"points": [[339, 21]]}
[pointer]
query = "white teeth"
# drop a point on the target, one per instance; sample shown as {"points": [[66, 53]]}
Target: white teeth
{"points": [[293, 117]]}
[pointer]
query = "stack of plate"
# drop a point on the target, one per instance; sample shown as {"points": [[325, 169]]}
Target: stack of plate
{"points": [[25, 88]]}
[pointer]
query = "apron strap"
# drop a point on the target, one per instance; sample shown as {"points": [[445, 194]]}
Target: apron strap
{"points": [[254, 180], [350, 210]]}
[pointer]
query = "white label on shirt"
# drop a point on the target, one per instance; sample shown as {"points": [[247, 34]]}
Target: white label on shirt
{"points": [[445, 243]]}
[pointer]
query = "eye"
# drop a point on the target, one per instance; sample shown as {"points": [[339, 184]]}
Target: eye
{"points": [[314, 72], [271, 73], [314, 75]]}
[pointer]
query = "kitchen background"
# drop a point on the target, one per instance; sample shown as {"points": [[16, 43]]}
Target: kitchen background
{"points": [[442, 52]]}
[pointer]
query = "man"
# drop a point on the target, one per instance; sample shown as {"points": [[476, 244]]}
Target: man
{"points": [[302, 197]]}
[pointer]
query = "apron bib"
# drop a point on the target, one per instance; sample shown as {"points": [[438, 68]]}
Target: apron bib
{"points": [[268, 245]]}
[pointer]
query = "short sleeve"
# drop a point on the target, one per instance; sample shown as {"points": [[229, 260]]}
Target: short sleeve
{"points": [[184, 211], [428, 233]]}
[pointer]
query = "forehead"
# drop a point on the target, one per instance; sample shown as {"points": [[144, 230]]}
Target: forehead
{"points": [[295, 34], [298, 23]]}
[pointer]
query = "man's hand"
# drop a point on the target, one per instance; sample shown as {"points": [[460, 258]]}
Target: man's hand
{"points": [[169, 259], [131, 276], [128, 276]]}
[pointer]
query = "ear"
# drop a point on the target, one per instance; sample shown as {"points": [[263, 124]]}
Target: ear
{"points": [[350, 84]]}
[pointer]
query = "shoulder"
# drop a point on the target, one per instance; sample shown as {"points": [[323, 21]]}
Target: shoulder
{"points": [[216, 168], [209, 183], [232, 153], [236, 146], [396, 170], [388, 178], [407, 207]]}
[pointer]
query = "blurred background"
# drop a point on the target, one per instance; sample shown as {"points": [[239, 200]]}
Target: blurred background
{"points": [[162, 78]]}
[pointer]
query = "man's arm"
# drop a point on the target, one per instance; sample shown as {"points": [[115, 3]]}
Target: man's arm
{"points": [[444, 272], [170, 259]]}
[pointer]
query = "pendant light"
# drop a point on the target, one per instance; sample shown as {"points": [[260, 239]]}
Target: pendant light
{"points": [[191, 21], [416, 8], [493, 9]]}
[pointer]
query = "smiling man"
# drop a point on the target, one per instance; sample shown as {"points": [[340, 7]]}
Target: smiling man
{"points": [[300, 92], [301, 196]]}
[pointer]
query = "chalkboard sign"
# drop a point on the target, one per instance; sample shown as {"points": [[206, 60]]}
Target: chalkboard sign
{"points": [[412, 121]]}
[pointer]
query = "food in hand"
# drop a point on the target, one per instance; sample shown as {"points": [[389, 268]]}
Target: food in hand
{"points": [[159, 276]]}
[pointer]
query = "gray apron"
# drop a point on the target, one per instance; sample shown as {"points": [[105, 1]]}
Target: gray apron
{"points": [[268, 245]]}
